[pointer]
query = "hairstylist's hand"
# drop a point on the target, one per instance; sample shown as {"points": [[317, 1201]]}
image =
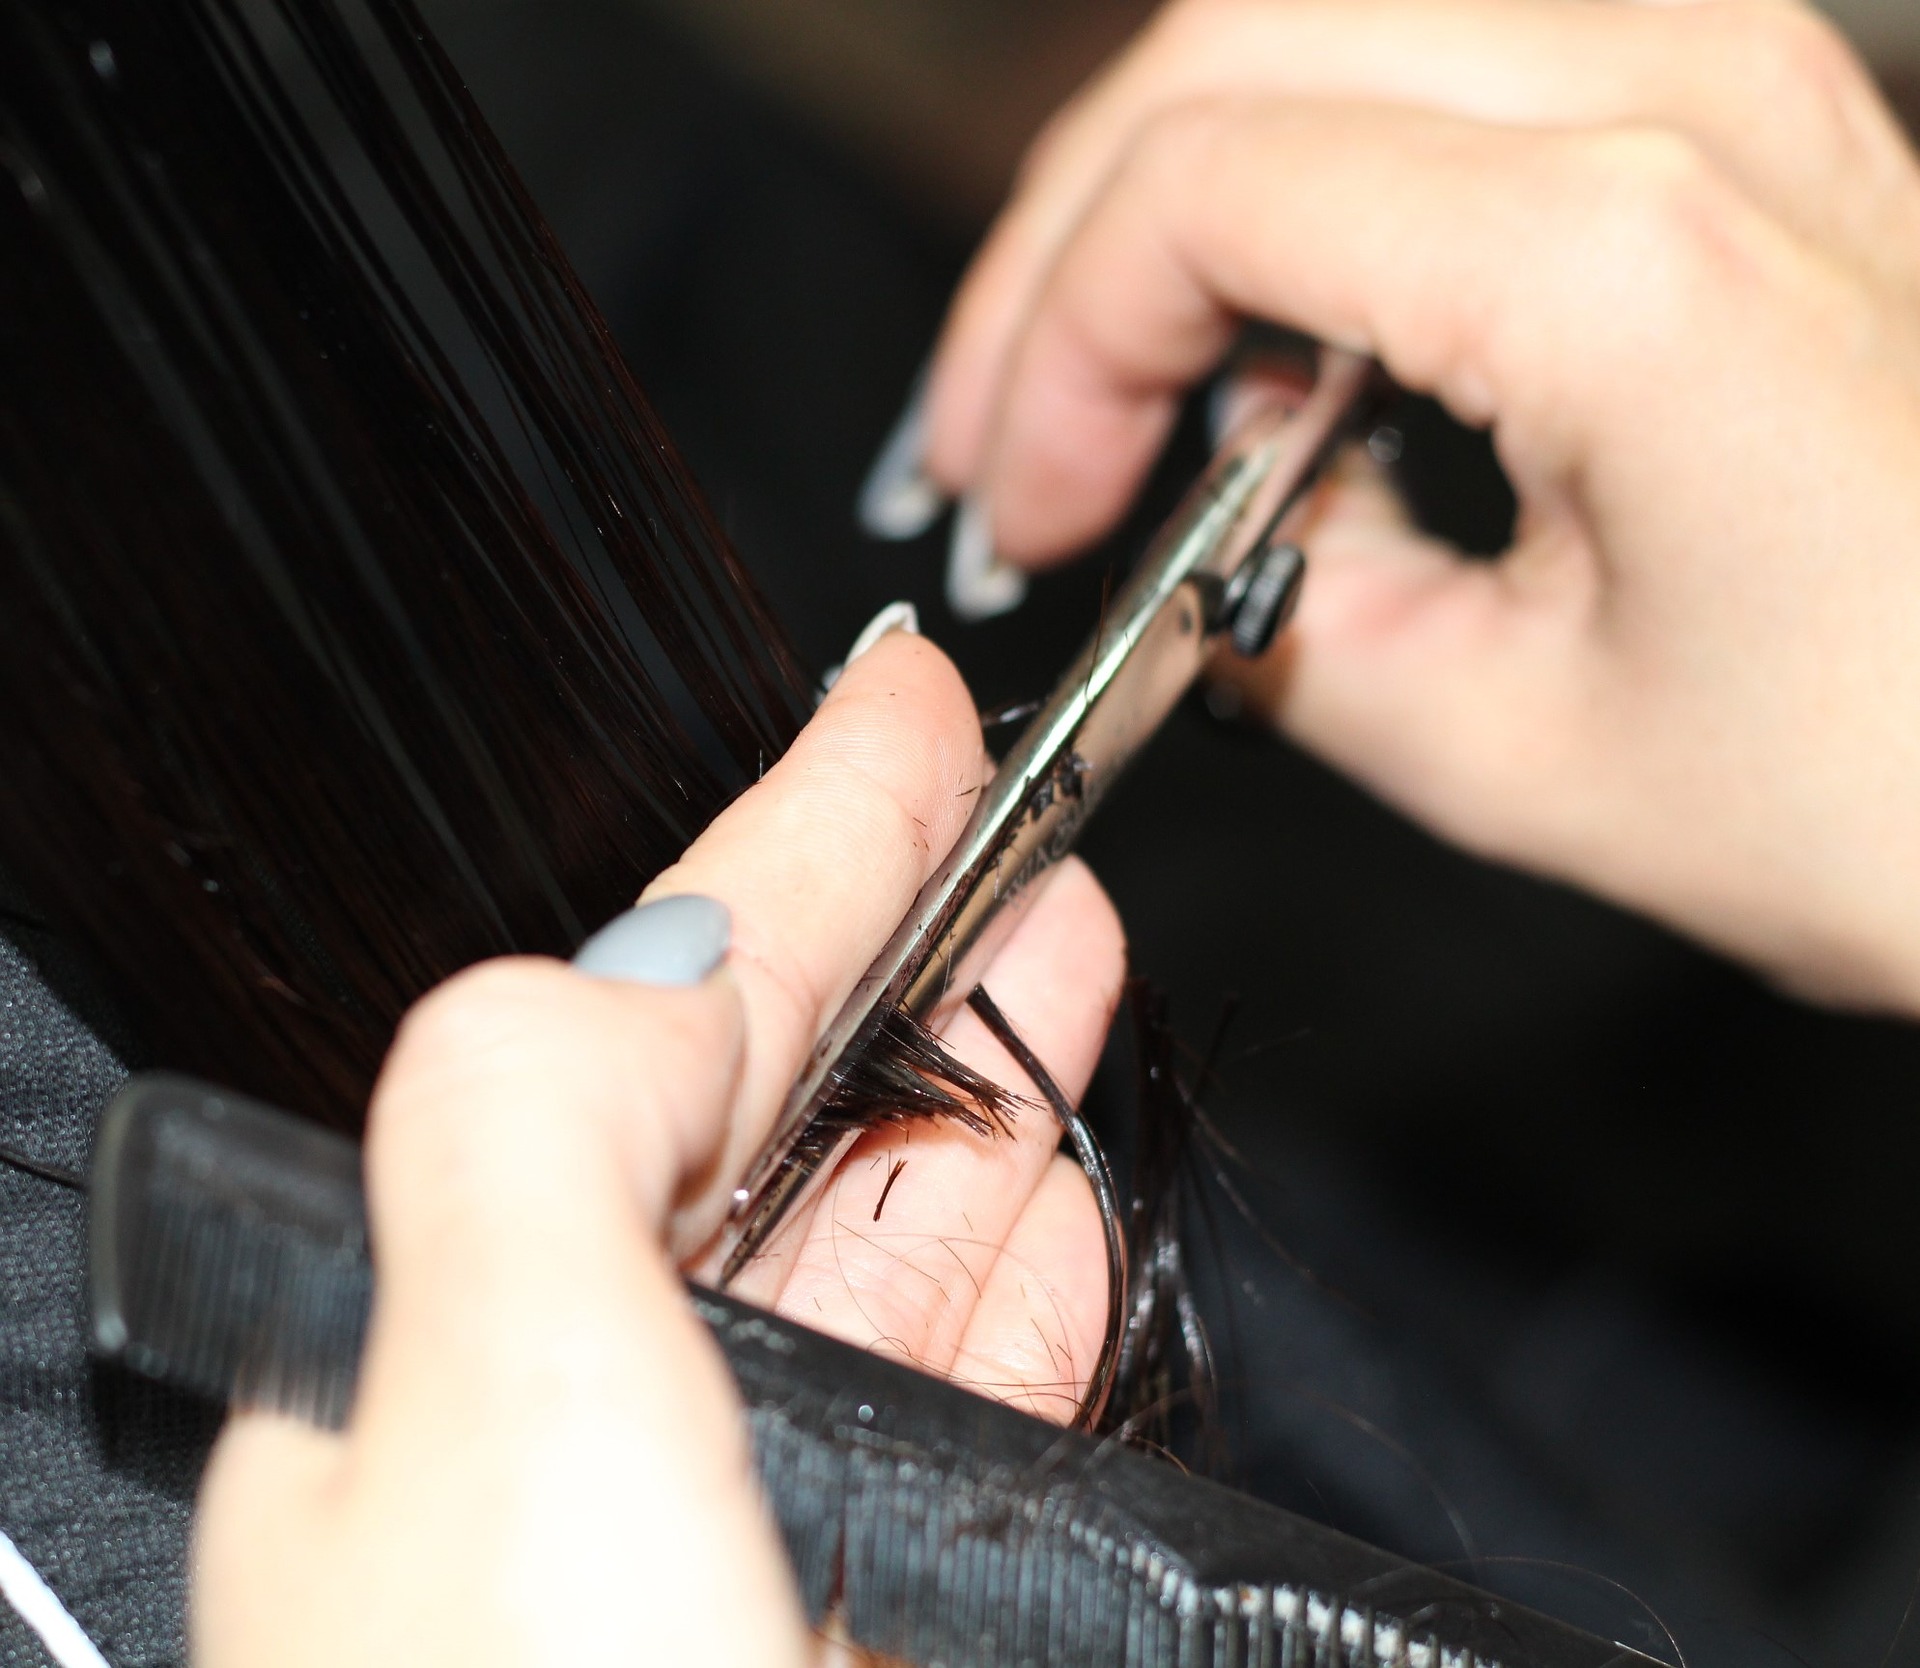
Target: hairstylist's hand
{"points": [[1671, 253], [546, 1463]]}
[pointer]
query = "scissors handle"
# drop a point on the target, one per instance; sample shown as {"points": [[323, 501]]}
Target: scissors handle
{"points": [[1154, 640]]}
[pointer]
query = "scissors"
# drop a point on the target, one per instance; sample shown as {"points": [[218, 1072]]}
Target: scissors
{"points": [[1221, 567]]}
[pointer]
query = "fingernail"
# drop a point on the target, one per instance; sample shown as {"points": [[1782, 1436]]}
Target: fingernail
{"points": [[899, 499], [896, 616], [979, 585], [670, 941]]}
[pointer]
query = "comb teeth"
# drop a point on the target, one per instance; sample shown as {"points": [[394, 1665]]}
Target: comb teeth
{"points": [[953, 1532], [230, 1249], [951, 1571], [929, 1565]]}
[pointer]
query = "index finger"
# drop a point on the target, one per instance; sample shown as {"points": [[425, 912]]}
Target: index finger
{"points": [[1828, 158], [820, 861], [1537, 278]]}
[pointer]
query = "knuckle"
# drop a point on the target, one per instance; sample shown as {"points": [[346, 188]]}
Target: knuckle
{"points": [[793, 996], [1175, 146], [1798, 69], [872, 823], [1672, 191], [469, 1067], [1639, 238], [1665, 218], [1786, 46], [486, 1017]]}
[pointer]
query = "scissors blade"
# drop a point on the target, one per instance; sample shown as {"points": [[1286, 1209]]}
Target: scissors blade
{"points": [[1152, 644]]}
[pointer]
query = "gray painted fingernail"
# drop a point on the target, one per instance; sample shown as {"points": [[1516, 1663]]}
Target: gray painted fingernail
{"points": [[900, 500], [670, 941], [980, 585]]}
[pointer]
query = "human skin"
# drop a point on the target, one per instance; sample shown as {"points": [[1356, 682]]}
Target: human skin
{"points": [[546, 1462], [1670, 254]]}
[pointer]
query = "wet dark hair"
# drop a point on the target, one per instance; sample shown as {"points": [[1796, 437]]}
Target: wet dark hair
{"points": [[357, 618]]}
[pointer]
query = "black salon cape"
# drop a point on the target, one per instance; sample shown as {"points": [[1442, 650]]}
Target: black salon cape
{"points": [[97, 1469]]}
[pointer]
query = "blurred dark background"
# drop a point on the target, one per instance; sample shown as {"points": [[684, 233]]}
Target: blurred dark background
{"points": [[1613, 1260]]}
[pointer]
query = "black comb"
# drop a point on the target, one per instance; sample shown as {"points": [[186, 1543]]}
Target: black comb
{"points": [[230, 1257]]}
